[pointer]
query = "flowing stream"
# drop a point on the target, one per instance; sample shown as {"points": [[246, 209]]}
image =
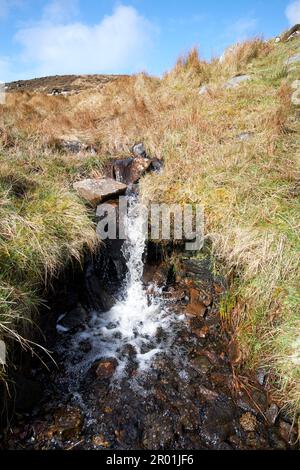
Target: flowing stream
{"points": [[152, 372], [138, 322]]}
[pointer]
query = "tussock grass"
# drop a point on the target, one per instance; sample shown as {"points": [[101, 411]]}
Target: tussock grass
{"points": [[249, 188]]}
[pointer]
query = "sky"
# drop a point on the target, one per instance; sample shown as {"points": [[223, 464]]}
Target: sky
{"points": [[56, 37]]}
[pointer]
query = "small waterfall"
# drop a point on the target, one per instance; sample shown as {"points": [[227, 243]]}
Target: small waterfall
{"points": [[137, 328]]}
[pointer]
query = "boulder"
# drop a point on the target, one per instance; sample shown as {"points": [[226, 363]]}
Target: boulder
{"points": [[73, 319], [292, 33], [130, 170], [68, 423], [272, 414], [236, 81], [139, 150], [99, 190], [293, 60], [196, 306], [106, 368]]}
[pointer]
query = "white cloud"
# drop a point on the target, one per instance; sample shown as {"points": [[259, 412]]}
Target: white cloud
{"points": [[118, 43], [293, 12]]}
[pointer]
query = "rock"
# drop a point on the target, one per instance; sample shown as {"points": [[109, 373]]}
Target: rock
{"points": [[74, 319], [98, 190], [272, 414], [130, 170], [106, 368], [248, 422], [288, 432], [68, 423], [244, 136], [236, 81], [196, 307], [100, 441], [201, 332], [74, 145], [207, 394], [293, 60], [203, 90], [139, 150], [261, 376], [292, 33], [277, 40], [156, 165], [158, 432]]}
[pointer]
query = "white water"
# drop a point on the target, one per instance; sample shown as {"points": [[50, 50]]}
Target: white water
{"points": [[137, 318]]}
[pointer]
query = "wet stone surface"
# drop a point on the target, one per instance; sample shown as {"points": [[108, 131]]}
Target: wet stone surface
{"points": [[187, 398]]}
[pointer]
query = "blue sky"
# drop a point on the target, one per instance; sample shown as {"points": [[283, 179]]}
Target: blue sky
{"points": [[49, 37]]}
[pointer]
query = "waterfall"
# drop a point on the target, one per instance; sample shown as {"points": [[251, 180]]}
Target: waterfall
{"points": [[138, 321]]}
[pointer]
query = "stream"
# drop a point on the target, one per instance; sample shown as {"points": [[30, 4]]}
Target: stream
{"points": [[153, 371]]}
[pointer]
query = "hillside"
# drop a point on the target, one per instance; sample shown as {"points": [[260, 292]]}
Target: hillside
{"points": [[231, 144], [61, 84]]}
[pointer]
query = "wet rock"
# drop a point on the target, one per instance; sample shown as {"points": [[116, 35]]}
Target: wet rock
{"points": [[158, 432], [259, 397], [106, 368], [207, 394], [100, 441], [202, 363], [85, 346], [218, 420], [276, 442], [139, 150], [201, 332], [248, 422], [288, 432], [196, 307], [293, 60], [236, 81], [68, 423], [74, 319], [27, 392], [98, 190], [255, 442], [156, 274], [272, 413], [131, 170]]}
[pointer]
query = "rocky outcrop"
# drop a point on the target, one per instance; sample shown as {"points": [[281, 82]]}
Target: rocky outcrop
{"points": [[131, 170], [236, 81], [96, 191], [293, 60], [72, 144], [292, 33]]}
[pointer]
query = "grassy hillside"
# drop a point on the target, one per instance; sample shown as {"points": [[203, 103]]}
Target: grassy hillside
{"points": [[236, 151]]}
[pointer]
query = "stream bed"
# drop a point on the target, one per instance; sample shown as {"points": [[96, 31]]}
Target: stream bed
{"points": [[149, 369]]}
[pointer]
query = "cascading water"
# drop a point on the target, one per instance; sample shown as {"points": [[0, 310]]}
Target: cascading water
{"points": [[138, 322]]}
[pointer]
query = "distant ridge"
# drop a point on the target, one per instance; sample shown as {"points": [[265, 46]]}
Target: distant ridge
{"points": [[62, 84]]}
